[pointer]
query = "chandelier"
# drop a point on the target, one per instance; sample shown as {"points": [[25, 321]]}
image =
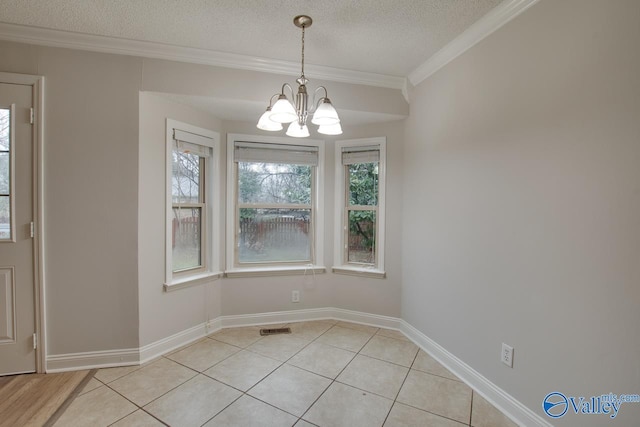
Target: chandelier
{"points": [[295, 110]]}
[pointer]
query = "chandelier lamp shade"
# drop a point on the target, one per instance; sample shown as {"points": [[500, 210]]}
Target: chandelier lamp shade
{"points": [[296, 109]]}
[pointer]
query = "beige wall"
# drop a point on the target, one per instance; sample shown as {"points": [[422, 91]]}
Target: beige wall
{"points": [[516, 192], [256, 87], [163, 314], [90, 194], [375, 296], [104, 198], [522, 205]]}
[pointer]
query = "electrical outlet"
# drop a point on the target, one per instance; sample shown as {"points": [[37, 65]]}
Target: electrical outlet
{"points": [[506, 356], [295, 296]]}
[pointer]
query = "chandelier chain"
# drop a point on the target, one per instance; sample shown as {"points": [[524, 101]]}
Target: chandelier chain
{"points": [[303, 51], [296, 110]]}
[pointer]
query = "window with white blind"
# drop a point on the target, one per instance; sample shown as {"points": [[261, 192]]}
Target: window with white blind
{"points": [[273, 215], [360, 194], [192, 155]]}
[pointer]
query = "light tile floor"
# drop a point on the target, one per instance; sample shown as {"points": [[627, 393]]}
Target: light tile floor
{"points": [[325, 373]]}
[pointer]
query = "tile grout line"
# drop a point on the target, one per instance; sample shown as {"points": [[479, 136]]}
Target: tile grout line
{"points": [[286, 362], [242, 392], [75, 393], [153, 400], [341, 371], [246, 393], [471, 408], [283, 363], [395, 399]]}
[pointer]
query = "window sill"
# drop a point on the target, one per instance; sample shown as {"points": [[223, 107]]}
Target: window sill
{"points": [[359, 271], [195, 280], [274, 271]]}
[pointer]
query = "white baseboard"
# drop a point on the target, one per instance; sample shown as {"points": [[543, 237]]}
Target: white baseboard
{"points": [[499, 398], [126, 357], [168, 344], [214, 325], [91, 360], [367, 319], [512, 408], [276, 317], [310, 314]]}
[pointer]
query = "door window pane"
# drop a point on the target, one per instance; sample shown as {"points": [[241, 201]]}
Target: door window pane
{"points": [[5, 218], [4, 173], [186, 238], [274, 235], [5, 123]]}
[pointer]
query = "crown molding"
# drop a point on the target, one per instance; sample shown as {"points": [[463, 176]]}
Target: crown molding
{"points": [[482, 28], [120, 46]]}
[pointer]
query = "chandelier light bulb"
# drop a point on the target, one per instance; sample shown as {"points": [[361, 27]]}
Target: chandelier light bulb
{"points": [[265, 123], [334, 129], [296, 111], [325, 114], [297, 130], [283, 111]]}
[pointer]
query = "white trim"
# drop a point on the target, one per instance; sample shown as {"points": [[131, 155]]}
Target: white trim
{"points": [[298, 270], [277, 317], [37, 82], [368, 319], [317, 205], [504, 402], [358, 271], [91, 360], [293, 316], [213, 232], [405, 91], [214, 325], [339, 207], [494, 19], [170, 343], [145, 49], [499, 398], [195, 280]]}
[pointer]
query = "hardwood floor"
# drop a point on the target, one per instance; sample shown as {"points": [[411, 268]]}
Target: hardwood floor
{"points": [[38, 399]]}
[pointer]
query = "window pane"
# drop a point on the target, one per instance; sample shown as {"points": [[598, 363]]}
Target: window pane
{"points": [[5, 122], [5, 218], [274, 183], [363, 184], [362, 237], [186, 177], [186, 238], [269, 235], [4, 173]]}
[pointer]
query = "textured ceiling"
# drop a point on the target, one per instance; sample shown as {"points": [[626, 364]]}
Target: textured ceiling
{"points": [[390, 37]]}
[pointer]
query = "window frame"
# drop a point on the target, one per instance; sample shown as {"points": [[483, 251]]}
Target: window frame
{"points": [[210, 235], [342, 207], [276, 268]]}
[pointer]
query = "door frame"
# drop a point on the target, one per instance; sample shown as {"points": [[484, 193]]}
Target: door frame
{"points": [[37, 131]]}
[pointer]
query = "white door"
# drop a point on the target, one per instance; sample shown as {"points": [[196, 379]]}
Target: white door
{"points": [[17, 299]]}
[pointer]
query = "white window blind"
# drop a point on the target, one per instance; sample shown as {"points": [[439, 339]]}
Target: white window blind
{"points": [[352, 155], [275, 153], [187, 142]]}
